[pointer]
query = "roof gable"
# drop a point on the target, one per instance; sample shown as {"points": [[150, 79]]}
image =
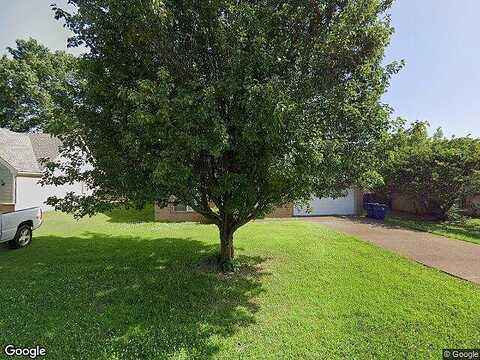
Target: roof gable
{"points": [[45, 146], [24, 151]]}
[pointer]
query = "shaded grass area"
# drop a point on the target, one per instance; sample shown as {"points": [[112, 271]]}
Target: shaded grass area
{"points": [[133, 215], [467, 230], [95, 289]]}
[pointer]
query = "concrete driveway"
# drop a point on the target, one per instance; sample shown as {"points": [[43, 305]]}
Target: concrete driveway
{"points": [[456, 257]]}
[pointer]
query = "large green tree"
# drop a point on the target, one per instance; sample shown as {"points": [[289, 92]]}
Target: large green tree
{"points": [[232, 107], [36, 86], [435, 172]]}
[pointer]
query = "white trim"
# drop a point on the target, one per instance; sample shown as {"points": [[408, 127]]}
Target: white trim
{"points": [[13, 174], [29, 174], [10, 167]]}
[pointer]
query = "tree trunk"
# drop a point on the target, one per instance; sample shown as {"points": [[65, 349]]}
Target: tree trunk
{"points": [[226, 248]]}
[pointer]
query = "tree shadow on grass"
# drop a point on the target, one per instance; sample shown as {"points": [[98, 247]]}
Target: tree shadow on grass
{"points": [[4, 247], [113, 297], [129, 216]]}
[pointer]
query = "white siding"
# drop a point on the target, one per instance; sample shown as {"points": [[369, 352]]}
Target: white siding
{"points": [[31, 194], [7, 185]]}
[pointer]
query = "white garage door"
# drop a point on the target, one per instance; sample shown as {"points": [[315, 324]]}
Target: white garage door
{"points": [[328, 206]]}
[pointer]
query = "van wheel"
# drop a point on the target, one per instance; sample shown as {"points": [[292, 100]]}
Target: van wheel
{"points": [[23, 237]]}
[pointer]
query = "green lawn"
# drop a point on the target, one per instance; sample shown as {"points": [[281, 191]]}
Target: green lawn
{"points": [[103, 288], [468, 230]]}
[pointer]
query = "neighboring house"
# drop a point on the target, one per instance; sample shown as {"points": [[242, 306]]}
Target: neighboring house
{"points": [[21, 169], [403, 203], [351, 204]]}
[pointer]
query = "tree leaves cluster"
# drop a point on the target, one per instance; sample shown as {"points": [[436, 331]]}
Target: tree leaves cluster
{"points": [[36, 86], [433, 171], [232, 107]]}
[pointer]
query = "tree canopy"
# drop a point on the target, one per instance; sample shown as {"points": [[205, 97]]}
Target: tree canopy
{"points": [[36, 85], [230, 107], [434, 171]]}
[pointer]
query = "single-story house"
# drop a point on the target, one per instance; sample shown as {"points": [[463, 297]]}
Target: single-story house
{"points": [[351, 204], [21, 169]]}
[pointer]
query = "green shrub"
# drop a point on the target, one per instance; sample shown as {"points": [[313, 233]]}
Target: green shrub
{"points": [[434, 171]]}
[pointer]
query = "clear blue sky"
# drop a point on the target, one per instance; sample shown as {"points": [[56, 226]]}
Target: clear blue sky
{"points": [[438, 39]]}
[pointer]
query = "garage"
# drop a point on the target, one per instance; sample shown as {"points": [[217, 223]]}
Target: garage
{"points": [[348, 205]]}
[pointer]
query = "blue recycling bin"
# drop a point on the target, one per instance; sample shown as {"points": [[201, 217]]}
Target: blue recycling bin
{"points": [[376, 211], [371, 210], [379, 211]]}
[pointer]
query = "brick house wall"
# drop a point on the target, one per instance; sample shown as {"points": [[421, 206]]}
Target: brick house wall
{"points": [[168, 214], [281, 212], [473, 201], [359, 201], [404, 203], [472, 205]]}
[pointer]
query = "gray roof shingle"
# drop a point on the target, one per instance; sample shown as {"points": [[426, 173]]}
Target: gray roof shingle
{"points": [[23, 151], [45, 146]]}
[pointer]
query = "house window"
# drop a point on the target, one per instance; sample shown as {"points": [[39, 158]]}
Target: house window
{"points": [[183, 208]]}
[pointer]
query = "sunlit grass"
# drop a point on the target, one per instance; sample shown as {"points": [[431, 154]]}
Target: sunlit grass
{"points": [[466, 230], [113, 287]]}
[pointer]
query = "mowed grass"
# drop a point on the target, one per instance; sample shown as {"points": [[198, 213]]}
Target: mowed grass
{"points": [[104, 288], [466, 230]]}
